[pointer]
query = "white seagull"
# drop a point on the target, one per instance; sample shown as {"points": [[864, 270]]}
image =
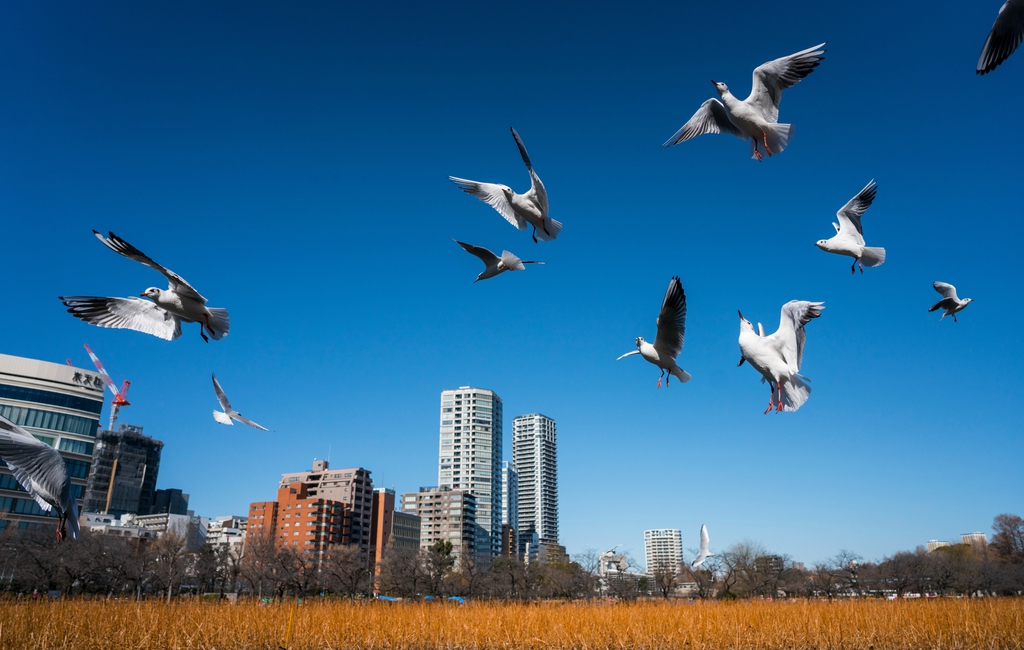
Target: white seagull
{"points": [[755, 118], [704, 552], [1007, 33], [162, 317], [229, 413], [494, 264], [39, 469], [778, 357], [950, 303], [668, 343], [849, 238], [518, 209]]}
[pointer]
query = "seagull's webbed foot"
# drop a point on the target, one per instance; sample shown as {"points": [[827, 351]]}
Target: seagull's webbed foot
{"points": [[659, 379], [766, 147], [757, 152], [954, 318], [861, 265], [60, 521], [202, 333], [771, 399], [778, 408], [535, 235], [853, 268], [544, 225]]}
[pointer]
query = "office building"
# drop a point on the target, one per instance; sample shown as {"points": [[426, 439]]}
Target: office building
{"points": [[663, 549], [535, 459], [448, 515], [469, 458], [122, 479], [60, 405], [169, 501], [391, 528], [351, 487]]}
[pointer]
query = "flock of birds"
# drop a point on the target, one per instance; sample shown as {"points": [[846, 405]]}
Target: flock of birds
{"points": [[40, 470]]}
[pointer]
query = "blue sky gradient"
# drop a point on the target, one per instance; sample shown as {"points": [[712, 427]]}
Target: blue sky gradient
{"points": [[291, 163]]}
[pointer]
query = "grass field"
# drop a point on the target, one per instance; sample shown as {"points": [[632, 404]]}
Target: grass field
{"points": [[864, 625]]}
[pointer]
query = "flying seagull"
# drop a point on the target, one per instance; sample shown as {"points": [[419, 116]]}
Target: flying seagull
{"points": [[778, 357], [704, 552], [1007, 33], [518, 209], [950, 303], [668, 343], [494, 264], [229, 413], [162, 317], [755, 118], [39, 469], [849, 238]]}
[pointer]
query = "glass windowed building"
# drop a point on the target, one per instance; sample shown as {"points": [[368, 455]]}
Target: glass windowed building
{"points": [[58, 404], [535, 457]]}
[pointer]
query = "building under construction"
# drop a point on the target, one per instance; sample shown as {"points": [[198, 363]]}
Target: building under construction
{"points": [[122, 478]]}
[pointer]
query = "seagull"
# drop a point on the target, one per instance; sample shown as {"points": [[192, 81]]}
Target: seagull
{"points": [[755, 118], [518, 209], [778, 357], [950, 302], [669, 341], [704, 552], [39, 469], [849, 238], [1007, 33], [229, 413], [162, 317], [494, 264]]}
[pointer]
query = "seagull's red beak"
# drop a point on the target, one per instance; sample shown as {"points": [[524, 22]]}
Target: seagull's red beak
{"points": [[142, 295], [741, 314], [714, 82]]}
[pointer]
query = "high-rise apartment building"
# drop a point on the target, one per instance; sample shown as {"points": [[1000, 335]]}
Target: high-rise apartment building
{"points": [[469, 458], [299, 521], [977, 539], [350, 486], [509, 494], [60, 405], [535, 459], [446, 515], [132, 460], [663, 549]]}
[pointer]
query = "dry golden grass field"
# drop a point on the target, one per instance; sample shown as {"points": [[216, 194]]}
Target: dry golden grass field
{"points": [[865, 625]]}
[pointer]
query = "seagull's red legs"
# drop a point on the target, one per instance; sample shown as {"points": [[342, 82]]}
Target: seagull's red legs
{"points": [[766, 147]]}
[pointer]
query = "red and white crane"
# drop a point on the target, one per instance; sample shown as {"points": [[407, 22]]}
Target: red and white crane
{"points": [[120, 396]]}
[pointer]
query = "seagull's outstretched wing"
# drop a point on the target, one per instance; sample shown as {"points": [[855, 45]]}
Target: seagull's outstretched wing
{"points": [[672, 320], [704, 539], [511, 262], [1006, 35], [540, 195], [221, 397], [947, 290], [709, 118], [771, 78], [629, 354], [789, 339], [244, 420], [176, 283], [125, 313], [493, 195], [849, 215], [487, 257], [36, 465]]}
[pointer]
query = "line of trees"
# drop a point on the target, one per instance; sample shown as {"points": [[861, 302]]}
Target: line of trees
{"points": [[132, 568]]}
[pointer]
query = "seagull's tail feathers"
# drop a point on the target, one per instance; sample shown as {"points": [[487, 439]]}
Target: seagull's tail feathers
{"points": [[778, 136], [220, 323], [511, 262], [223, 418], [550, 229], [794, 393], [873, 256], [680, 374]]}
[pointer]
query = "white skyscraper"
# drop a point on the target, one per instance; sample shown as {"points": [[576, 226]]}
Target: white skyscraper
{"points": [[535, 459], [469, 457], [509, 494], [663, 549]]}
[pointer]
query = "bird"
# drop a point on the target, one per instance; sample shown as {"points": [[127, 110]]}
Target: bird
{"points": [[950, 302], [778, 357], [229, 413], [39, 469], [704, 552], [1006, 35], [518, 209], [668, 342], [849, 237], [494, 264], [755, 118], [163, 316]]}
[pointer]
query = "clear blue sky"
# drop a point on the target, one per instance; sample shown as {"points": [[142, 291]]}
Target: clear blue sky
{"points": [[291, 163]]}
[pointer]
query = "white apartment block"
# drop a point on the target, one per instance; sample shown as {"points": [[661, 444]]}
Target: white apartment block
{"points": [[663, 549], [535, 459], [469, 458], [227, 530]]}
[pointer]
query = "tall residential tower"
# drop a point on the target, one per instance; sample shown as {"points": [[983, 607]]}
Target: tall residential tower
{"points": [[535, 459], [663, 549]]}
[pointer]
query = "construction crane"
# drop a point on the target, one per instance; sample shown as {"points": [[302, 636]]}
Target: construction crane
{"points": [[120, 396]]}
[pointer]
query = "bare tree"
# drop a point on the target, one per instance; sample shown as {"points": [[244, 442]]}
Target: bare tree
{"points": [[170, 563], [666, 579], [346, 571], [402, 573], [1008, 540]]}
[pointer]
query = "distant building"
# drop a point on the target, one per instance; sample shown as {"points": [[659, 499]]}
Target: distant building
{"points": [[469, 458], [229, 531], [977, 540], [105, 524], [509, 541], [391, 528], [445, 515], [190, 527], [550, 552], [170, 501], [935, 544], [299, 521], [133, 459], [535, 459], [509, 494], [663, 549], [60, 405], [351, 487]]}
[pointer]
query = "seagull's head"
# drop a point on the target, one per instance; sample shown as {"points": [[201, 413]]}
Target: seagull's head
{"points": [[639, 341], [152, 293], [720, 87], [745, 325], [507, 191], [822, 244]]}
